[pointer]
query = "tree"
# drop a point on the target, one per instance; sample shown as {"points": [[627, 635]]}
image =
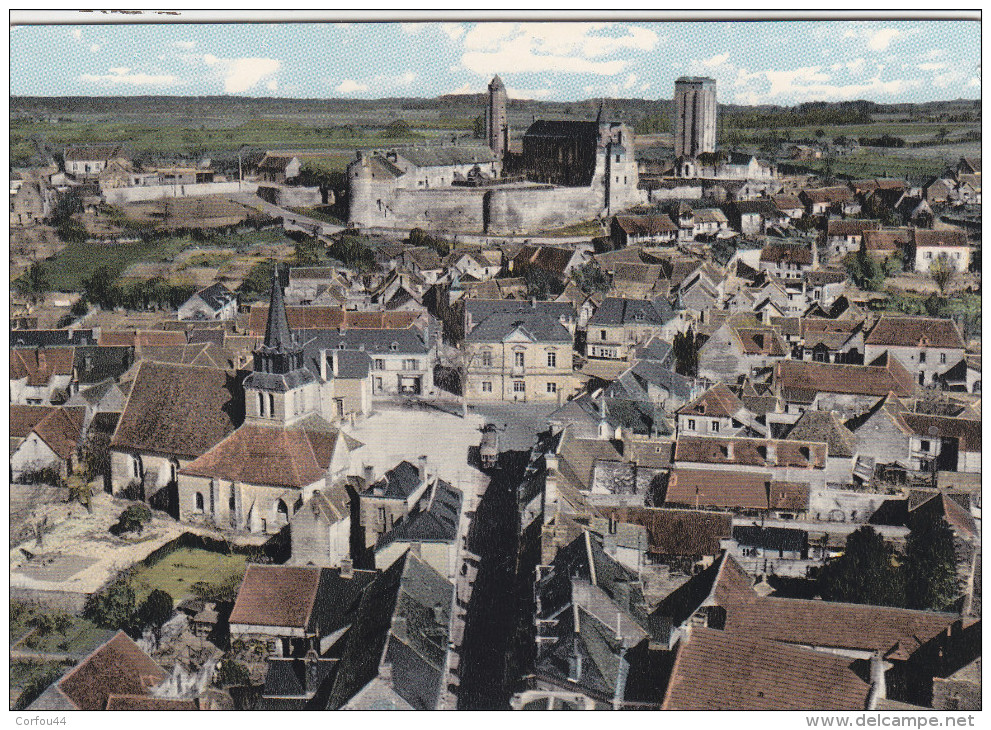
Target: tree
{"points": [[35, 282], [258, 281], [478, 127], [112, 608], [398, 129], [930, 572], [230, 672], [942, 273], [865, 573], [99, 289], [866, 272], [541, 284], [133, 518], [590, 278], [686, 352], [155, 610]]}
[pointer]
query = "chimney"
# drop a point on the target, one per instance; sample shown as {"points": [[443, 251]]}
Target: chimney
{"points": [[385, 673], [730, 450], [772, 453], [347, 568], [40, 356], [878, 690], [368, 472], [574, 662], [310, 682], [422, 466]]}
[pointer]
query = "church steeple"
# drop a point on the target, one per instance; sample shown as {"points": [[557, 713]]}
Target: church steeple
{"points": [[278, 336]]}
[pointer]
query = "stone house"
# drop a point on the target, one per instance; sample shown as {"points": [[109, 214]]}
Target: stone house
{"points": [[387, 501], [277, 168], [886, 243], [30, 202], [824, 286], [320, 530], [733, 351], [636, 230], [214, 303], [41, 376], [786, 461], [949, 247], [821, 201], [845, 236], [717, 411], [753, 217], [826, 427], [745, 491], [620, 325], [519, 357], [829, 340], [88, 161], [787, 261], [926, 346], [790, 205], [44, 437]]}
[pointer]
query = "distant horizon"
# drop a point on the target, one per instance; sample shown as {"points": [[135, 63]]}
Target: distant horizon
{"points": [[756, 63]]}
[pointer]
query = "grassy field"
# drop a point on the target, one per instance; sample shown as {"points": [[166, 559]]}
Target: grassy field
{"points": [[176, 573], [321, 213], [585, 228], [77, 261], [78, 636]]}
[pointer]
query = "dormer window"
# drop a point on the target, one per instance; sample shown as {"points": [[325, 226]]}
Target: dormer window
{"points": [[394, 346]]}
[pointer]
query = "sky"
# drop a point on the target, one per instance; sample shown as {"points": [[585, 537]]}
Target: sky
{"points": [[777, 62]]}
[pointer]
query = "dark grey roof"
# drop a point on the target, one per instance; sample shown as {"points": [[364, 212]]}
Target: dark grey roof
{"points": [[52, 338], [448, 155], [657, 350], [408, 340], [286, 677], [353, 364], [479, 309], [94, 364], [216, 295], [540, 327], [654, 371], [617, 311], [397, 483], [771, 538], [437, 523], [278, 336], [563, 128], [278, 382], [763, 206]]}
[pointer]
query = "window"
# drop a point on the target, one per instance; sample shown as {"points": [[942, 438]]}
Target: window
{"points": [[922, 356], [617, 160], [271, 406], [602, 334], [552, 387], [518, 359], [519, 386], [486, 359], [411, 364], [942, 358], [199, 502], [381, 513], [261, 405], [715, 426], [394, 346], [379, 364], [925, 445], [691, 424], [552, 359], [486, 386]]}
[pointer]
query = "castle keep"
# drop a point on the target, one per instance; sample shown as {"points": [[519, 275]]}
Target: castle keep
{"points": [[568, 171]]}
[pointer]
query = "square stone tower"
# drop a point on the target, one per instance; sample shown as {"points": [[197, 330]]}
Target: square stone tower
{"points": [[694, 116]]}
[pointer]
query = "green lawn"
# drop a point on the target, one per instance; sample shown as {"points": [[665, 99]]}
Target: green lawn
{"points": [[321, 214], [586, 228], [80, 636], [177, 572]]}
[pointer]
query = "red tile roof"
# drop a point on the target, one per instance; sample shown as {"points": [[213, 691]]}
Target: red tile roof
{"points": [[129, 703], [62, 430], [718, 402], [315, 317], [676, 531], [40, 365], [915, 332], [750, 452], [888, 239], [281, 457], [119, 667], [816, 377], [928, 238], [850, 227], [733, 490], [787, 253], [646, 225], [142, 338], [276, 595], [724, 670]]}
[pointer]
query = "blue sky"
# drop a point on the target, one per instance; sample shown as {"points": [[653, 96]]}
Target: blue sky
{"points": [[782, 62]]}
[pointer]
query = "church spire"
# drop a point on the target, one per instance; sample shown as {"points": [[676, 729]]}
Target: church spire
{"points": [[278, 336]]}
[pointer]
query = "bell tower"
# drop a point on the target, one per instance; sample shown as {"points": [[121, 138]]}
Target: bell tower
{"points": [[280, 389], [497, 124]]}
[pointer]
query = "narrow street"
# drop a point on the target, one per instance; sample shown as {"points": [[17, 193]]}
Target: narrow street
{"points": [[493, 610]]}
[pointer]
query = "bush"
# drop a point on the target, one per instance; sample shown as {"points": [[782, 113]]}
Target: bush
{"points": [[112, 608], [155, 610], [134, 518], [230, 672], [36, 685]]}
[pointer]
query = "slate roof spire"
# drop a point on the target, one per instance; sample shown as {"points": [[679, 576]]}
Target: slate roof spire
{"points": [[278, 336]]}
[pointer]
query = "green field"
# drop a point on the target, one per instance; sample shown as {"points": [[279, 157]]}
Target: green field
{"points": [[69, 267], [78, 636], [177, 572], [586, 228]]}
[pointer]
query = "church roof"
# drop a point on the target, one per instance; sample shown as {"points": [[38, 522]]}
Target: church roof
{"points": [[278, 336]]}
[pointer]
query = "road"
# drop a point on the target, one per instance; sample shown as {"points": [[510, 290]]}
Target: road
{"points": [[288, 216]]}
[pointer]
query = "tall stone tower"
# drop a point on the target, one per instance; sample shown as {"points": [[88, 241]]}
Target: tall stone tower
{"points": [[497, 124], [280, 390], [694, 116]]}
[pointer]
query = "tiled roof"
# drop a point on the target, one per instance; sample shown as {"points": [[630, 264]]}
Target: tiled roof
{"points": [[718, 402], [676, 531], [179, 410], [39, 366], [60, 428], [760, 341], [723, 670], [787, 202], [733, 490], [787, 253], [399, 482], [539, 327], [850, 227], [646, 225], [216, 295], [750, 452], [317, 317], [824, 426], [52, 338], [837, 194], [277, 595], [435, 156], [437, 523], [967, 431], [142, 338], [119, 667], [888, 239], [99, 152], [281, 457], [620, 311], [915, 332], [132, 703], [924, 237], [795, 378]]}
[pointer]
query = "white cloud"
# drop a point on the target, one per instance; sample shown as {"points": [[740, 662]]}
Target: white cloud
{"points": [[454, 31], [941, 81], [551, 47], [932, 66], [630, 82], [411, 28], [974, 81], [121, 76], [350, 86], [465, 88], [880, 40], [184, 45], [528, 93], [243, 74], [272, 85], [95, 48], [77, 33], [855, 66], [718, 60]]}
